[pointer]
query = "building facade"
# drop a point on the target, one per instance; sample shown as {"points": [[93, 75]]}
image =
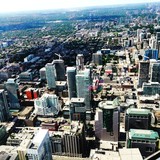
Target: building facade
{"points": [[146, 140], [47, 105], [155, 72], [83, 83], [4, 108], [107, 121], [60, 69], [143, 75], [51, 75], [78, 109], [71, 80], [137, 119], [80, 62], [40, 147], [12, 90]]}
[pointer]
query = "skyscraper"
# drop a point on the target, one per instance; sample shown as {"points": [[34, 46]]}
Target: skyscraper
{"points": [[51, 75], [60, 69], [12, 88], [71, 80], [4, 110], [143, 75], [69, 140], [138, 34], [97, 58], [158, 43], [42, 73], [83, 82], [80, 62], [155, 72], [107, 121]]}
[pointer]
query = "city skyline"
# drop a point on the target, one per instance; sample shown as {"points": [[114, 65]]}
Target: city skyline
{"points": [[18, 5]]}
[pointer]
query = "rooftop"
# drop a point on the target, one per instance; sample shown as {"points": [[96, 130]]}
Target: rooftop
{"points": [[40, 136], [130, 154], [143, 134], [104, 155], [74, 128], [137, 111], [77, 100], [107, 105]]}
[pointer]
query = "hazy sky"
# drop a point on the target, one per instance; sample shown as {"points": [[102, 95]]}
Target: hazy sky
{"points": [[25, 5]]}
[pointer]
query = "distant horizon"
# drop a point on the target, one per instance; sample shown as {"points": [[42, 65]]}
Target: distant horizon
{"points": [[10, 6]]}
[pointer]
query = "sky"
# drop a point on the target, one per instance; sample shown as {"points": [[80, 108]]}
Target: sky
{"points": [[27, 5]]}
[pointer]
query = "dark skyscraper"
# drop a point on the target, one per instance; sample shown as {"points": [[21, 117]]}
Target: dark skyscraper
{"points": [[71, 80], [4, 110], [12, 88], [60, 69], [143, 75]]}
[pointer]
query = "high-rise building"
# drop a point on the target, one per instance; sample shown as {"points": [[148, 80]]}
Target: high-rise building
{"points": [[60, 69], [158, 36], [40, 147], [48, 104], [146, 140], [142, 36], [83, 83], [77, 109], [137, 119], [12, 90], [97, 58], [4, 109], [3, 134], [138, 34], [158, 47], [51, 75], [158, 42], [69, 140], [80, 62], [71, 80], [155, 72], [143, 75], [107, 121], [42, 73]]}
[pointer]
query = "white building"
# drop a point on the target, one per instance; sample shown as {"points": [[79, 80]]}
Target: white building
{"points": [[48, 104], [40, 147]]}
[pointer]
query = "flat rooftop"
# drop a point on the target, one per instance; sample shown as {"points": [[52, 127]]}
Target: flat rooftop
{"points": [[130, 154], [137, 111], [143, 134]]}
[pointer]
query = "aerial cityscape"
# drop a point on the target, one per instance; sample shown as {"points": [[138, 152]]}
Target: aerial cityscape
{"points": [[80, 82]]}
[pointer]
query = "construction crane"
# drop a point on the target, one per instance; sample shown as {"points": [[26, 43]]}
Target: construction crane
{"points": [[58, 55]]}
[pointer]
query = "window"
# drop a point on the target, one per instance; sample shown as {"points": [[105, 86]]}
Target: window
{"points": [[76, 116], [149, 149]]}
